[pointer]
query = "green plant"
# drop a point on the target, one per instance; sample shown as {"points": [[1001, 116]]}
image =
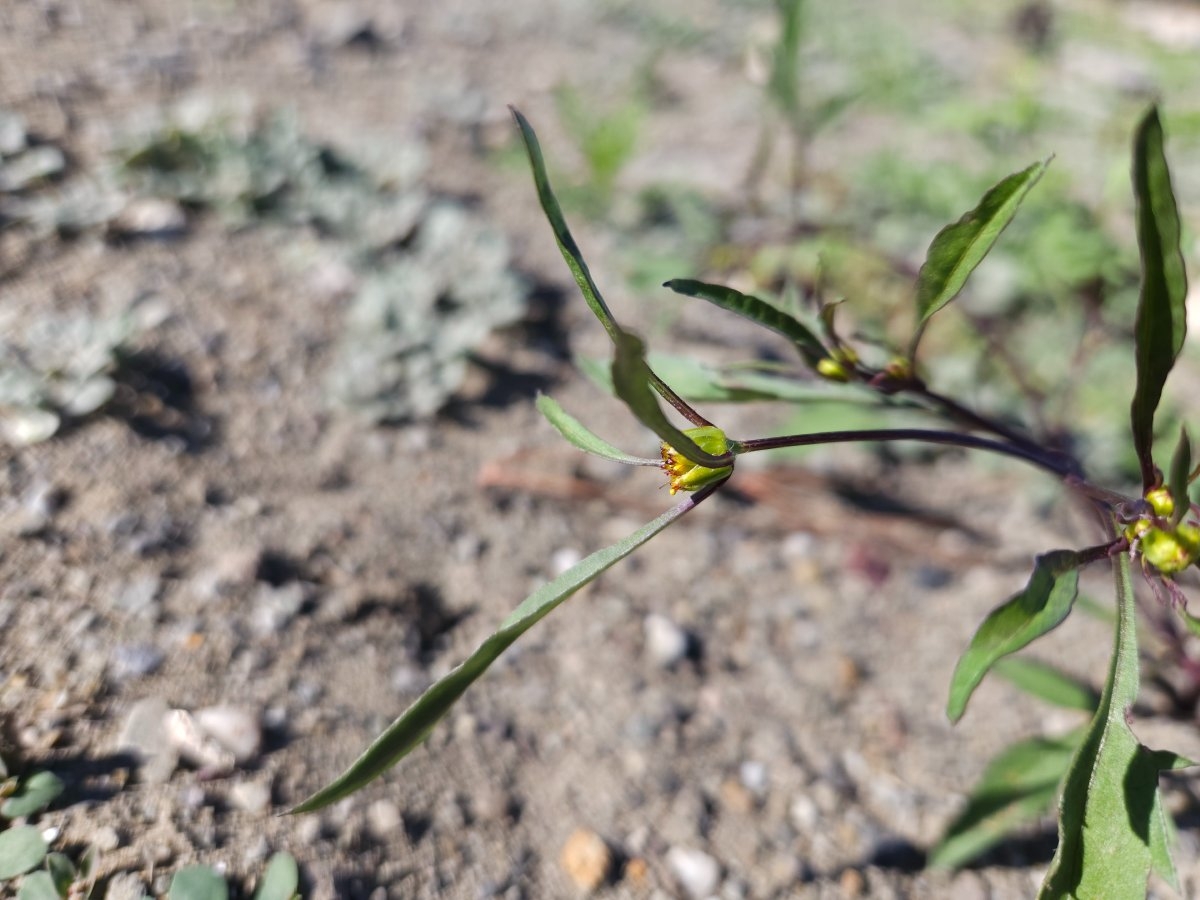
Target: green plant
{"points": [[1112, 827], [431, 279], [280, 881], [60, 369]]}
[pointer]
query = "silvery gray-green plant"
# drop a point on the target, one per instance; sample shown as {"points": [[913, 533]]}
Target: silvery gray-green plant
{"points": [[431, 278], [1113, 829], [61, 368]]}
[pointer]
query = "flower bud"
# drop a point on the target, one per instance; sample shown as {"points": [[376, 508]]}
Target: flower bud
{"points": [[1171, 551], [685, 475], [1161, 502]]}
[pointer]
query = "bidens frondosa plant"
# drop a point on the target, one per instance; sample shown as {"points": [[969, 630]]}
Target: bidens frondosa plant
{"points": [[1113, 831]]}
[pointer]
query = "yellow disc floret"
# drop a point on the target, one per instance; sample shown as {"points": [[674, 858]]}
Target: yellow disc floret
{"points": [[685, 475]]}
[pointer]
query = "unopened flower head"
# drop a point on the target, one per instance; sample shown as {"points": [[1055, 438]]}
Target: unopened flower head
{"points": [[685, 475]]}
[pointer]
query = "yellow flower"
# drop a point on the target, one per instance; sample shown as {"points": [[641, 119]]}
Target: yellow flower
{"points": [[685, 475]]}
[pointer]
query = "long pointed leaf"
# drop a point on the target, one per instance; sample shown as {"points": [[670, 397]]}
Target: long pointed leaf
{"points": [[1161, 315], [1028, 614], [756, 310], [575, 432], [960, 247], [1048, 683], [1017, 787], [413, 727], [562, 234], [631, 380], [1177, 478], [1112, 830]]}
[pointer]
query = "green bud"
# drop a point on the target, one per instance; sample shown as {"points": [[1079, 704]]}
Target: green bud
{"points": [[685, 475], [1171, 551]]}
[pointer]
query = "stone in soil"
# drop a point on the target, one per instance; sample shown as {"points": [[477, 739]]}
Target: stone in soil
{"points": [[586, 859]]}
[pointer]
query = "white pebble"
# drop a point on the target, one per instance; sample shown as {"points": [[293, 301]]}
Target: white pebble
{"points": [[666, 642], [697, 872], [250, 796], [235, 728]]}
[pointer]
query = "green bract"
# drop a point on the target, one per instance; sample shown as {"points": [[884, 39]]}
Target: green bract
{"points": [[685, 475]]}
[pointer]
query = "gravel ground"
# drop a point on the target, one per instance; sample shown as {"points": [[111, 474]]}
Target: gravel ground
{"points": [[215, 594]]}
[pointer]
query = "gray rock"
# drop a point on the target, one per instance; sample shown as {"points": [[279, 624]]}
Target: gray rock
{"points": [[138, 596], [276, 607], [697, 872], [145, 736], [134, 661], [125, 886]]}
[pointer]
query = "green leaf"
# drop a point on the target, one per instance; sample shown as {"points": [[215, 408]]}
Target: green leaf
{"points": [[33, 794], [198, 883], [757, 311], [1048, 683], [1027, 615], [575, 432], [39, 886], [21, 849], [959, 248], [281, 881], [562, 234], [631, 380], [1181, 467], [1017, 787], [61, 871], [1161, 322], [414, 726], [1112, 830]]}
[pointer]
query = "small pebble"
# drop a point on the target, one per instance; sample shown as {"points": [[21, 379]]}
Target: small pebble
{"points": [[276, 607], [236, 728], [133, 660], [736, 798], [105, 839], [125, 886], [586, 859], [150, 217], [138, 596], [753, 776], [852, 884], [697, 872], [250, 796], [145, 736], [666, 642], [383, 819]]}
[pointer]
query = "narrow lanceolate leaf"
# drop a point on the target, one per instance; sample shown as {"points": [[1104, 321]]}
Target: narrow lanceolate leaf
{"points": [[1112, 829], [575, 432], [413, 727], [756, 310], [1177, 479], [1017, 787], [959, 248], [1161, 318], [1048, 683], [631, 380], [1027, 615], [562, 234]]}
